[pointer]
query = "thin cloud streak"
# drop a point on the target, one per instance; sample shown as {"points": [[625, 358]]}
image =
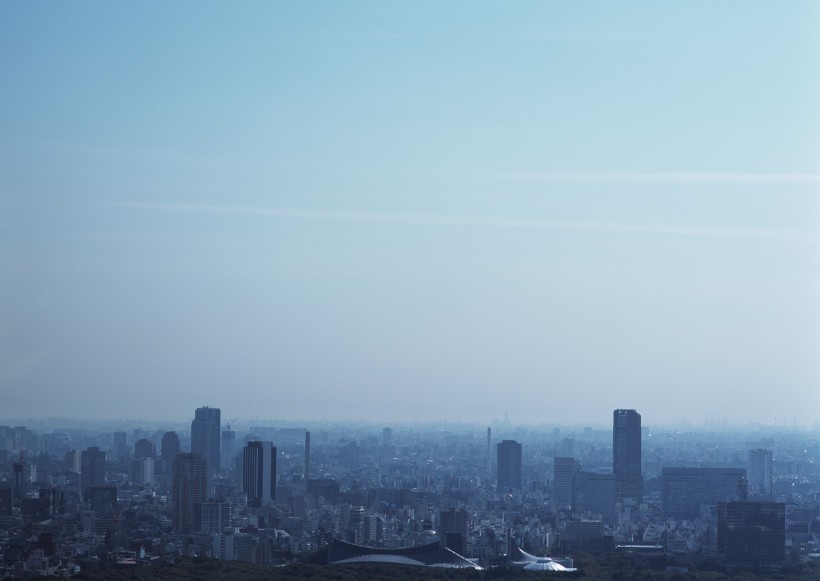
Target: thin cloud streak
{"points": [[475, 221], [661, 177]]}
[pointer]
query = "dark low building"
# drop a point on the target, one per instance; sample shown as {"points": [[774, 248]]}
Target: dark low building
{"points": [[685, 490], [752, 534]]}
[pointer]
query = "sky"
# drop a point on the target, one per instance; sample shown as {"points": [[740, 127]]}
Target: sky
{"points": [[401, 211]]}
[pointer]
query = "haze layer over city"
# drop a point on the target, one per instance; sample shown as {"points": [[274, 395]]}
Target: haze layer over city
{"points": [[406, 211]]}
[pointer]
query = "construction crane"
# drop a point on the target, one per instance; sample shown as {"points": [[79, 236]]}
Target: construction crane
{"points": [[228, 424]]}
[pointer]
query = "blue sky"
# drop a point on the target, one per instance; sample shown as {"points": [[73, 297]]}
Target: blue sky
{"points": [[411, 210]]}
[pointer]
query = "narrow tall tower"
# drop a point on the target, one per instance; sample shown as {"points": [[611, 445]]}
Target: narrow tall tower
{"points": [[307, 458], [509, 464], [259, 473], [759, 472], [626, 456], [189, 489], [488, 457], [205, 436]]}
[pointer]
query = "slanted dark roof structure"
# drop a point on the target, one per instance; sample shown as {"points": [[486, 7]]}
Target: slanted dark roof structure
{"points": [[524, 560], [431, 555]]}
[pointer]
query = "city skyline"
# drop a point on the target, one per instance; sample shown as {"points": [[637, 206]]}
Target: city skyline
{"points": [[411, 211]]}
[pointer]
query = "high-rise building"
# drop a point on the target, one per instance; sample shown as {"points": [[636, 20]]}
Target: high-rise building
{"points": [[142, 471], [120, 445], [92, 471], [307, 458], [206, 436], [213, 517], [626, 456], [145, 448], [593, 495], [103, 500], [228, 444], [564, 470], [73, 461], [685, 490], [387, 437], [453, 529], [190, 488], [752, 533], [508, 459], [259, 473], [488, 460], [759, 472], [22, 478], [171, 446]]}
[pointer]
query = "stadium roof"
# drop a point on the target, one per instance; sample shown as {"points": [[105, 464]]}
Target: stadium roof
{"points": [[430, 555], [519, 558]]}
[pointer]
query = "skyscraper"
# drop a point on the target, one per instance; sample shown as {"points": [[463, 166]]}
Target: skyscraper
{"points": [[626, 456], [22, 478], [508, 457], [228, 443], [92, 473], [259, 473], [564, 470], [205, 436], [307, 458], [594, 494], [120, 446], [453, 529], [170, 447], [145, 448], [759, 472], [189, 490]]}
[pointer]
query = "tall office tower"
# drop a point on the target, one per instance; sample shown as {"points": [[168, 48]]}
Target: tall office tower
{"points": [[103, 500], [387, 437], [626, 456], [120, 445], [453, 529], [259, 473], [508, 460], [22, 478], [142, 471], [307, 458], [92, 472], [564, 470], [488, 457], [594, 494], [759, 472], [170, 447], [228, 443], [145, 448], [73, 461], [189, 490], [205, 436], [752, 534]]}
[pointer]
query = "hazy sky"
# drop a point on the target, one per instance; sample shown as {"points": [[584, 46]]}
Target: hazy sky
{"points": [[410, 210]]}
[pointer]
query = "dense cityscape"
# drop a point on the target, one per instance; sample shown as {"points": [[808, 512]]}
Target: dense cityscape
{"points": [[75, 497]]}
